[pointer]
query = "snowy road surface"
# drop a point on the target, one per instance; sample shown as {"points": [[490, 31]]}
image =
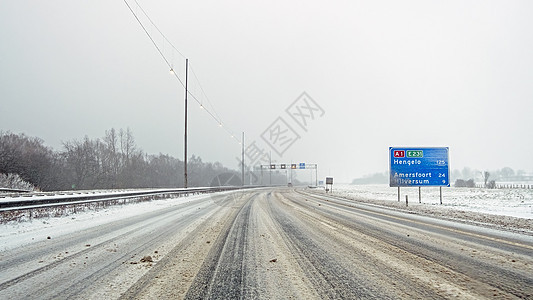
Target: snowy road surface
{"points": [[269, 244]]}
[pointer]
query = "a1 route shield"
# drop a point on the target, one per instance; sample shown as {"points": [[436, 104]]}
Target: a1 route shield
{"points": [[419, 166]]}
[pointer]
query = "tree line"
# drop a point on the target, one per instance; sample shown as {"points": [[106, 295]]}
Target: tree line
{"points": [[113, 161]]}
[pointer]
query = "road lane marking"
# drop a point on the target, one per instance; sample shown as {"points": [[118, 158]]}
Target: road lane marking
{"points": [[329, 226]]}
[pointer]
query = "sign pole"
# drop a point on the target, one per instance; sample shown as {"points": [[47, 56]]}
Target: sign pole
{"points": [[316, 175], [290, 172], [419, 194], [440, 187], [329, 182], [398, 194]]}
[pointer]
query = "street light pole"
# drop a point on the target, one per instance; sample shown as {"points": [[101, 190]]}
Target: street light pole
{"points": [[243, 158], [270, 168], [186, 92]]}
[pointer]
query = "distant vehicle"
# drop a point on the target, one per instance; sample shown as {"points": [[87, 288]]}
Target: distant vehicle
{"points": [[289, 184]]}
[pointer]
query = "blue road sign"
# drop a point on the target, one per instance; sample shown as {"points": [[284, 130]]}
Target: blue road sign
{"points": [[419, 166], [302, 165]]}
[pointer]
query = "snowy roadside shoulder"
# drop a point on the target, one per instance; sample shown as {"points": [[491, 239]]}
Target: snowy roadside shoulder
{"points": [[19, 233], [461, 209]]}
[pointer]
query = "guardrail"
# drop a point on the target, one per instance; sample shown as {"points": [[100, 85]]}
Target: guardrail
{"points": [[7, 190], [69, 198]]}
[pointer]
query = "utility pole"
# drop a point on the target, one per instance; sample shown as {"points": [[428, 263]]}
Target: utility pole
{"points": [[270, 168], [242, 158], [186, 92]]}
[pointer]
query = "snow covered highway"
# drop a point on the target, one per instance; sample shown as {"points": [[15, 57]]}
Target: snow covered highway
{"points": [[270, 243]]}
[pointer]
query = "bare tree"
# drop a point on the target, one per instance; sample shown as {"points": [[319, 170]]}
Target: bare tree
{"points": [[507, 173], [127, 145], [111, 156], [82, 159], [486, 176], [14, 181], [27, 157], [467, 173]]}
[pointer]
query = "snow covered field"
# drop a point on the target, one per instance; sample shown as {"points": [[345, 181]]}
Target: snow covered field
{"points": [[505, 202]]}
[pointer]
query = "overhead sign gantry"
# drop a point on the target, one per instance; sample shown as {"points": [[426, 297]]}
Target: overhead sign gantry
{"points": [[300, 166]]}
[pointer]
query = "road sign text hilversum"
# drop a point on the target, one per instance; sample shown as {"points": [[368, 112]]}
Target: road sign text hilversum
{"points": [[419, 166]]}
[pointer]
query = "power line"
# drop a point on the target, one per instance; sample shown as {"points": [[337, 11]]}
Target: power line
{"points": [[153, 42], [212, 113], [155, 26], [203, 92]]}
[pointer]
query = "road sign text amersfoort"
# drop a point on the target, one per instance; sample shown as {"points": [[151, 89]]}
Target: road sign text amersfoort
{"points": [[419, 167]]}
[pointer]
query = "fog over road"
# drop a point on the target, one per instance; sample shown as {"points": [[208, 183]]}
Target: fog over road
{"points": [[273, 243]]}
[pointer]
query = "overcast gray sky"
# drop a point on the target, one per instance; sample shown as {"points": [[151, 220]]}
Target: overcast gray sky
{"points": [[385, 73]]}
